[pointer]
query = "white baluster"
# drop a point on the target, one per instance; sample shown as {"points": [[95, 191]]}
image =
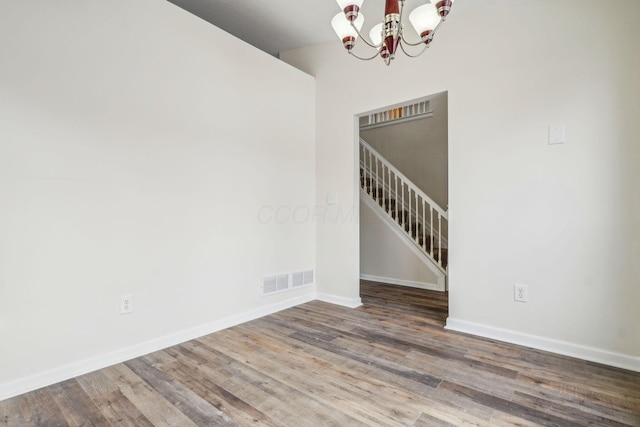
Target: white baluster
{"points": [[439, 240], [369, 171], [397, 199], [417, 238], [389, 192], [424, 225], [431, 246], [377, 195], [383, 186], [412, 218], [364, 161], [403, 216]]}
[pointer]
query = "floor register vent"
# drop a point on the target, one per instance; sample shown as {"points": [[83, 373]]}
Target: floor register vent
{"points": [[283, 282]]}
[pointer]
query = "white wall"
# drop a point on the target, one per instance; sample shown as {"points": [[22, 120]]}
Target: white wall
{"points": [[128, 165], [386, 258], [565, 220]]}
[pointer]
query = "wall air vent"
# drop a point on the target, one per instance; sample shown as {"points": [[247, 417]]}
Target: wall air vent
{"points": [[268, 285], [272, 284], [302, 278], [307, 277], [282, 282], [297, 279]]}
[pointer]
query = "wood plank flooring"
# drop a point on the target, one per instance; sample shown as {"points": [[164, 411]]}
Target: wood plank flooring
{"points": [[388, 363]]}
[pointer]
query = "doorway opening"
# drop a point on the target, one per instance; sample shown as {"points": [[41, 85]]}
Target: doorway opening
{"points": [[403, 161]]}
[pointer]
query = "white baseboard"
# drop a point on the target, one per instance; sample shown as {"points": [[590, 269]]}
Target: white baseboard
{"points": [[401, 282], [56, 375], [591, 354], [338, 300]]}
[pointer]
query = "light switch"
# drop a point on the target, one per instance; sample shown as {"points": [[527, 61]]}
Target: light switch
{"points": [[332, 198], [556, 134]]}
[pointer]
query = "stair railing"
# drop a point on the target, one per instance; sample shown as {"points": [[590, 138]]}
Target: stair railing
{"points": [[422, 220]]}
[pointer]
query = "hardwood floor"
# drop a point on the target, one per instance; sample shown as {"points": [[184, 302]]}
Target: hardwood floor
{"points": [[388, 363], [431, 305]]}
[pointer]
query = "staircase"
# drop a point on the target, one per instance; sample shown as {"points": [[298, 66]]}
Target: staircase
{"points": [[405, 207]]}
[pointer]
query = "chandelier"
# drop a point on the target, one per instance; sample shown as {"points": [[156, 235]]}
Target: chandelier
{"points": [[387, 36]]}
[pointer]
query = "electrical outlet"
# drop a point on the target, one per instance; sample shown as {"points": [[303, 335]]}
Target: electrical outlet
{"points": [[520, 293], [126, 304]]}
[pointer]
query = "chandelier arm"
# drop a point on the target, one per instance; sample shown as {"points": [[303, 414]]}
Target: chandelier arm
{"points": [[363, 58], [408, 43], [425, 47], [364, 39], [433, 33]]}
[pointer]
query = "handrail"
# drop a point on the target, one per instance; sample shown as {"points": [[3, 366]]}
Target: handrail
{"points": [[404, 178]]}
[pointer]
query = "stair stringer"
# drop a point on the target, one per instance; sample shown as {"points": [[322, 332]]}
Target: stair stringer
{"points": [[410, 243]]}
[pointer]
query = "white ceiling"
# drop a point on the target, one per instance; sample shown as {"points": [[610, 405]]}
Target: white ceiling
{"points": [[278, 25]]}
